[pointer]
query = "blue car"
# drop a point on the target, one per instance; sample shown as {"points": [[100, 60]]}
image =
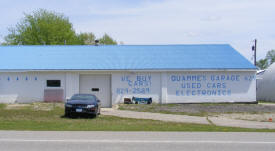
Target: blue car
{"points": [[87, 104]]}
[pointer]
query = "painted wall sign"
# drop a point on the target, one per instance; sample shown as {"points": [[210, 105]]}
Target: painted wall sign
{"points": [[210, 86], [135, 84], [18, 78], [206, 84]]}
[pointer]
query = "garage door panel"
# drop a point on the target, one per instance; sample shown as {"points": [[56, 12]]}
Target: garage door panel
{"points": [[99, 85]]}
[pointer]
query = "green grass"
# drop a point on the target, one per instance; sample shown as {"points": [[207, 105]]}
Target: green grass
{"points": [[2, 106], [266, 102], [157, 108], [49, 117]]}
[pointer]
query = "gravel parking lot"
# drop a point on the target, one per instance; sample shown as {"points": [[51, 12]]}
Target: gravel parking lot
{"points": [[249, 112], [263, 117]]}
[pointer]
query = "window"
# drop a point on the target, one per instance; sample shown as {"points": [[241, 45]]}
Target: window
{"points": [[95, 89], [83, 97], [53, 83]]}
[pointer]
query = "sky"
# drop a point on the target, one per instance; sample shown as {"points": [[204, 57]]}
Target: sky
{"points": [[151, 22]]}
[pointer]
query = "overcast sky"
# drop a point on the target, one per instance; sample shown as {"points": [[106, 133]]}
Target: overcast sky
{"points": [[236, 22]]}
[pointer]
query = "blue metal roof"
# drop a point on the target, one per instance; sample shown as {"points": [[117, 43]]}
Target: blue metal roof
{"points": [[122, 57]]}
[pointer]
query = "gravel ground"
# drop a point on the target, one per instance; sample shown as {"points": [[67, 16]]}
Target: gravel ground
{"points": [[36, 106], [264, 117], [248, 112], [233, 121]]}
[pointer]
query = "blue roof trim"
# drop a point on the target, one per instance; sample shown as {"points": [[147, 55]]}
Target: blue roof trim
{"points": [[123, 57]]}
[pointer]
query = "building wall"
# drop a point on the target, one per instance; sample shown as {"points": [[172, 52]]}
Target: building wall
{"points": [[193, 87], [72, 84], [26, 86], [97, 84], [186, 87], [265, 84], [127, 85], [163, 87]]}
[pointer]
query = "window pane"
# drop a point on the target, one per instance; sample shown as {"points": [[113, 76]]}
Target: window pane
{"points": [[53, 83], [95, 89], [83, 97]]}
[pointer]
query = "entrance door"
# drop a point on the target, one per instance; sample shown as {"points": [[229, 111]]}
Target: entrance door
{"points": [[99, 85]]}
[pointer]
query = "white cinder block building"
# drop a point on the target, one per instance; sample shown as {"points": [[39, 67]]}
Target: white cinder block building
{"points": [[167, 73]]}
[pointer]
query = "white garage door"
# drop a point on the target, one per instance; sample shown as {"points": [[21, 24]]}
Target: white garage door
{"points": [[99, 85]]}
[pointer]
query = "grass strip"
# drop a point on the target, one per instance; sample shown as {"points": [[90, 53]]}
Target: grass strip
{"points": [[51, 119]]}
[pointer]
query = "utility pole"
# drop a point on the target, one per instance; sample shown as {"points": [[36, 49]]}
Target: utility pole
{"points": [[254, 48]]}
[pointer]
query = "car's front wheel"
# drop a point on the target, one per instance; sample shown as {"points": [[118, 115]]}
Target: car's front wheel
{"points": [[93, 115], [67, 114]]}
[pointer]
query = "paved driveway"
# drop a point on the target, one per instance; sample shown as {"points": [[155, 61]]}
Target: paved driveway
{"points": [[219, 121], [155, 116]]}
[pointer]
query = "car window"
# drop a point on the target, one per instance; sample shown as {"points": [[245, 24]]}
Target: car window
{"points": [[83, 97]]}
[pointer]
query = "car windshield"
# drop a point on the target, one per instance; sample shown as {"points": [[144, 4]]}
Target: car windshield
{"points": [[83, 97]]}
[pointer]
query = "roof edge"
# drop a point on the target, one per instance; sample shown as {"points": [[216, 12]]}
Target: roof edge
{"points": [[130, 70], [205, 44]]}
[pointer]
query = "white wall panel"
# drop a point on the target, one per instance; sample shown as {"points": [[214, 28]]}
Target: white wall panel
{"points": [[26, 86], [192, 87], [101, 82], [164, 87], [127, 85], [72, 84]]}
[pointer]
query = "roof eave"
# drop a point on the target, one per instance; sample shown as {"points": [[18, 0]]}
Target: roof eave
{"points": [[130, 70]]}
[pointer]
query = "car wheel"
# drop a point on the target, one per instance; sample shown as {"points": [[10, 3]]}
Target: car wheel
{"points": [[67, 114], [93, 115]]}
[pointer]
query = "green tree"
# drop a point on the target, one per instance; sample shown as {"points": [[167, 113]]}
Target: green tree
{"points": [[42, 27], [262, 64], [86, 39], [269, 59], [270, 56], [107, 40]]}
